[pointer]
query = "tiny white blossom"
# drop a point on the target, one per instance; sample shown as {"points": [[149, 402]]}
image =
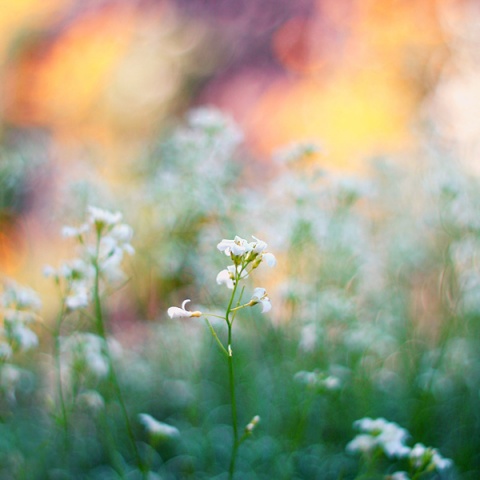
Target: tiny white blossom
{"points": [[78, 297], [85, 352], [225, 277], [259, 245], [69, 232], [176, 312], [236, 247], [398, 476], [101, 218], [269, 259], [252, 424], [23, 337], [363, 443], [5, 351], [389, 436], [428, 458], [260, 296], [156, 428]]}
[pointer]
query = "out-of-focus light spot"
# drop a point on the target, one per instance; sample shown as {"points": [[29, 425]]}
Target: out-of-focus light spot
{"points": [[18, 16], [352, 116]]}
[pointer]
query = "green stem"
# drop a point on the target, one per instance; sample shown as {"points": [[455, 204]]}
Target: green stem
{"points": [[58, 366], [112, 373], [231, 378], [215, 336], [234, 404]]}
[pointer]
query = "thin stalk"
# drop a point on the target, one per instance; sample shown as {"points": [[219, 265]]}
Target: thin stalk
{"points": [[231, 378], [234, 404], [112, 374], [215, 336], [58, 366]]}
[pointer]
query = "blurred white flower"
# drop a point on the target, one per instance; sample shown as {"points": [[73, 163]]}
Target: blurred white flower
{"points": [[427, 458], [85, 353], [319, 380], [388, 436], [177, 312], [260, 296], [157, 429], [78, 296], [252, 424], [101, 218], [69, 232], [398, 476], [362, 443], [269, 259]]}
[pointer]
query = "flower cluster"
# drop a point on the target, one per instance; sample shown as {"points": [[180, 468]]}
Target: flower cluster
{"points": [[84, 354], [320, 381], [19, 306], [388, 437], [427, 459], [246, 257], [379, 433], [105, 251]]}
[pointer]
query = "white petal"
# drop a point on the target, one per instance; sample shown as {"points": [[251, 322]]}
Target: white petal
{"points": [[266, 305], [224, 278], [270, 259]]}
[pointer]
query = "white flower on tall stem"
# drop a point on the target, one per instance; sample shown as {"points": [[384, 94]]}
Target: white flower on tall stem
{"points": [[260, 296], [177, 312]]}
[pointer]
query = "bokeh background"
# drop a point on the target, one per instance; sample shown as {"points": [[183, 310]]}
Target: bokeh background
{"points": [[94, 99], [86, 87]]}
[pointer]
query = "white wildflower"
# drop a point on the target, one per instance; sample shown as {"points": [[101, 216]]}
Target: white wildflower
{"points": [[227, 277], [70, 232], [102, 218], [398, 476], [363, 443], [388, 436], [260, 296], [157, 429], [177, 312], [23, 337], [234, 248], [78, 296], [85, 353], [252, 424], [5, 351], [427, 458]]}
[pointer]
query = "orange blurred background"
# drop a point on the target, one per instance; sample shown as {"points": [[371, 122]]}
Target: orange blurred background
{"points": [[99, 80]]}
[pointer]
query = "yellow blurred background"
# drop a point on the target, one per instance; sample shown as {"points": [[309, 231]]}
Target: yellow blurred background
{"points": [[100, 80]]}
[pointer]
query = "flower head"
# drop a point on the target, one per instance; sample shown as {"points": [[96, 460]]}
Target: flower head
{"points": [[234, 248], [427, 458], [227, 277], [260, 296], [379, 433], [177, 312]]}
